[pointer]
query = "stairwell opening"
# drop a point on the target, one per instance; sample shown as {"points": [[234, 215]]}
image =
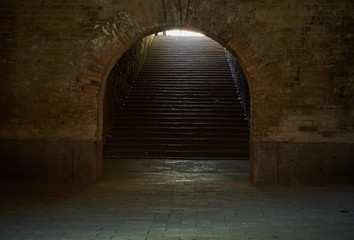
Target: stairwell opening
{"points": [[213, 139]]}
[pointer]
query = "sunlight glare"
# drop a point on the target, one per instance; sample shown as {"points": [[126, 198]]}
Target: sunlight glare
{"points": [[182, 33]]}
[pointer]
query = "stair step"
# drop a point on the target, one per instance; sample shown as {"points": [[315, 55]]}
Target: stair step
{"points": [[175, 127], [183, 105], [169, 141], [178, 155], [140, 124], [180, 102], [180, 134], [176, 148], [170, 115], [217, 119]]}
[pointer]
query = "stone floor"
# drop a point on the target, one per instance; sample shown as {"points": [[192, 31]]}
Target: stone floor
{"points": [[145, 200]]}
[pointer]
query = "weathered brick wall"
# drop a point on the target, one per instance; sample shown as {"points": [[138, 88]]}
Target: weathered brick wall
{"points": [[241, 83], [121, 79], [296, 55]]}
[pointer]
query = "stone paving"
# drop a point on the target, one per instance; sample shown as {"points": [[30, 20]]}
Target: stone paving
{"points": [[172, 200]]}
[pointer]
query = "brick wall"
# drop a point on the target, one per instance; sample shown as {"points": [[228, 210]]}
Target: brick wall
{"points": [[55, 58], [121, 79]]}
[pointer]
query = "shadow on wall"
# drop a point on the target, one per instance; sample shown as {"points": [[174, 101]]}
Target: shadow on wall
{"points": [[121, 79], [241, 84]]}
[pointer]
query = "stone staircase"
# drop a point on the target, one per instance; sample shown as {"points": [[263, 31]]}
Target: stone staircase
{"points": [[183, 105]]}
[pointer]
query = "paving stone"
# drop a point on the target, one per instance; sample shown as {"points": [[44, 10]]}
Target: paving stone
{"points": [[151, 205]]}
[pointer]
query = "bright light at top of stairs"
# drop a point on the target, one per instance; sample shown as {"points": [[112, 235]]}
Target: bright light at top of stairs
{"points": [[182, 33]]}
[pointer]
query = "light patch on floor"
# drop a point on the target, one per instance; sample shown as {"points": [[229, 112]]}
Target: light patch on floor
{"points": [[172, 200]]}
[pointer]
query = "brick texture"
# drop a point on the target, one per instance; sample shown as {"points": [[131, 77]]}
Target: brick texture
{"points": [[55, 59]]}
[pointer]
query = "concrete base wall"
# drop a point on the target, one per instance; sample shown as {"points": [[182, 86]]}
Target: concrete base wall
{"points": [[271, 163], [302, 163], [54, 161]]}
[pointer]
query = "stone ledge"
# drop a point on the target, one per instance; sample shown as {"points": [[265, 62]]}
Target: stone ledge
{"points": [[53, 161], [271, 163], [302, 164]]}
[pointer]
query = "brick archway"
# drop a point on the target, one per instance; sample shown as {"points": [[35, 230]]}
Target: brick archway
{"points": [[101, 53], [218, 21], [275, 60]]}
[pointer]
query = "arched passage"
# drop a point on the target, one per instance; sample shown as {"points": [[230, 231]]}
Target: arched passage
{"points": [[98, 68], [182, 105], [125, 28]]}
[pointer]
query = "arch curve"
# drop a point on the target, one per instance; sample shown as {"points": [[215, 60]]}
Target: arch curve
{"points": [[118, 33]]}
